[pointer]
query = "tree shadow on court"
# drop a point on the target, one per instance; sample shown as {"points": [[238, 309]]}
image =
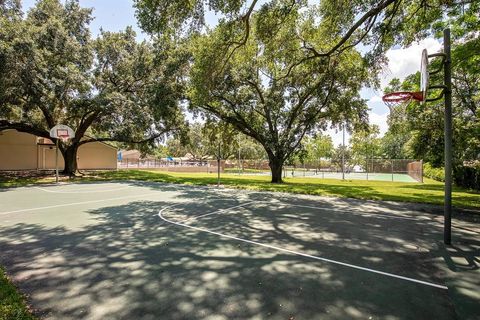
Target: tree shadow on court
{"points": [[127, 263], [463, 261]]}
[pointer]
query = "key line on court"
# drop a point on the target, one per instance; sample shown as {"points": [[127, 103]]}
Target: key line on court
{"points": [[160, 215]]}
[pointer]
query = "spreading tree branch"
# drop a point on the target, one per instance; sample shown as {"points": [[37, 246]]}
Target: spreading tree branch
{"points": [[24, 127], [127, 140]]}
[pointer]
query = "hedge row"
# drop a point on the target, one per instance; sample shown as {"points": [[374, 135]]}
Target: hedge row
{"points": [[463, 176], [467, 177], [433, 173]]}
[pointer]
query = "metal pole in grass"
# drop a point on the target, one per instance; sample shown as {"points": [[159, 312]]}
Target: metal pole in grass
{"points": [[343, 154], [366, 156], [56, 161], [239, 164], [367, 166], [239, 158], [218, 164]]}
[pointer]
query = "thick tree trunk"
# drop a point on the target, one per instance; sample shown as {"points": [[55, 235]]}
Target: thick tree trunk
{"points": [[276, 166], [70, 158]]}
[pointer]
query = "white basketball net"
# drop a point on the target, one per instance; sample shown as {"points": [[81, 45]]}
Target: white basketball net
{"points": [[397, 102]]}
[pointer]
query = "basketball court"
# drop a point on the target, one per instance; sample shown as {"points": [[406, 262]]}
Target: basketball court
{"points": [[137, 250]]}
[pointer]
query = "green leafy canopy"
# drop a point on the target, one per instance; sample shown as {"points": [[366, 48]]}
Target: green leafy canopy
{"points": [[107, 89]]}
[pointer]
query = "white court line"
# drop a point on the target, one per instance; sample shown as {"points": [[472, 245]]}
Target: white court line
{"points": [[298, 253], [88, 191], [217, 211], [77, 203]]}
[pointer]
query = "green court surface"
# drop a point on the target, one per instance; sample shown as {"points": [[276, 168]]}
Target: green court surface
{"points": [[137, 250], [398, 177]]}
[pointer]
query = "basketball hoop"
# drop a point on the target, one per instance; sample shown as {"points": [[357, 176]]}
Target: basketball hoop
{"points": [[63, 135], [397, 102], [62, 132]]}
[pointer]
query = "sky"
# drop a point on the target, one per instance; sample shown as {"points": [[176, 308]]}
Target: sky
{"points": [[115, 15]]}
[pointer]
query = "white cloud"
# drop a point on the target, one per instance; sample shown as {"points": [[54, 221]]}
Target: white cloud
{"points": [[380, 120], [405, 61], [374, 99]]}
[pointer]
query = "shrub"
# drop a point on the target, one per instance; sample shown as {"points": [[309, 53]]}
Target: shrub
{"points": [[467, 176], [433, 173]]}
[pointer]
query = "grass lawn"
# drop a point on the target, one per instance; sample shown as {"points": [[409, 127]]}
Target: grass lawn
{"points": [[429, 192], [12, 303]]}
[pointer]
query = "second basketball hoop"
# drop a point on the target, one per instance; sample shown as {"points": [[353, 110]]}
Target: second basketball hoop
{"points": [[64, 133]]}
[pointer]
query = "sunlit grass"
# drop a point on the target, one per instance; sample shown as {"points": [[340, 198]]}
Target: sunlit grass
{"points": [[12, 303]]}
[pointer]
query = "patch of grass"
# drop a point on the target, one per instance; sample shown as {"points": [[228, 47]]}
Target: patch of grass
{"points": [[429, 192], [20, 179], [12, 303]]}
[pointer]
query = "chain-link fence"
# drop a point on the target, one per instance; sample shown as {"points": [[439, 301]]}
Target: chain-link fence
{"points": [[173, 165], [404, 170]]}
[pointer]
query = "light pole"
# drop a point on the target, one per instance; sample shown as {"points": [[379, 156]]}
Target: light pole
{"points": [[366, 155], [239, 161], [218, 163]]}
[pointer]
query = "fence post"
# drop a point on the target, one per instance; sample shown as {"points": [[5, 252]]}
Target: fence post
{"points": [[366, 168], [323, 171], [391, 163], [421, 171]]}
